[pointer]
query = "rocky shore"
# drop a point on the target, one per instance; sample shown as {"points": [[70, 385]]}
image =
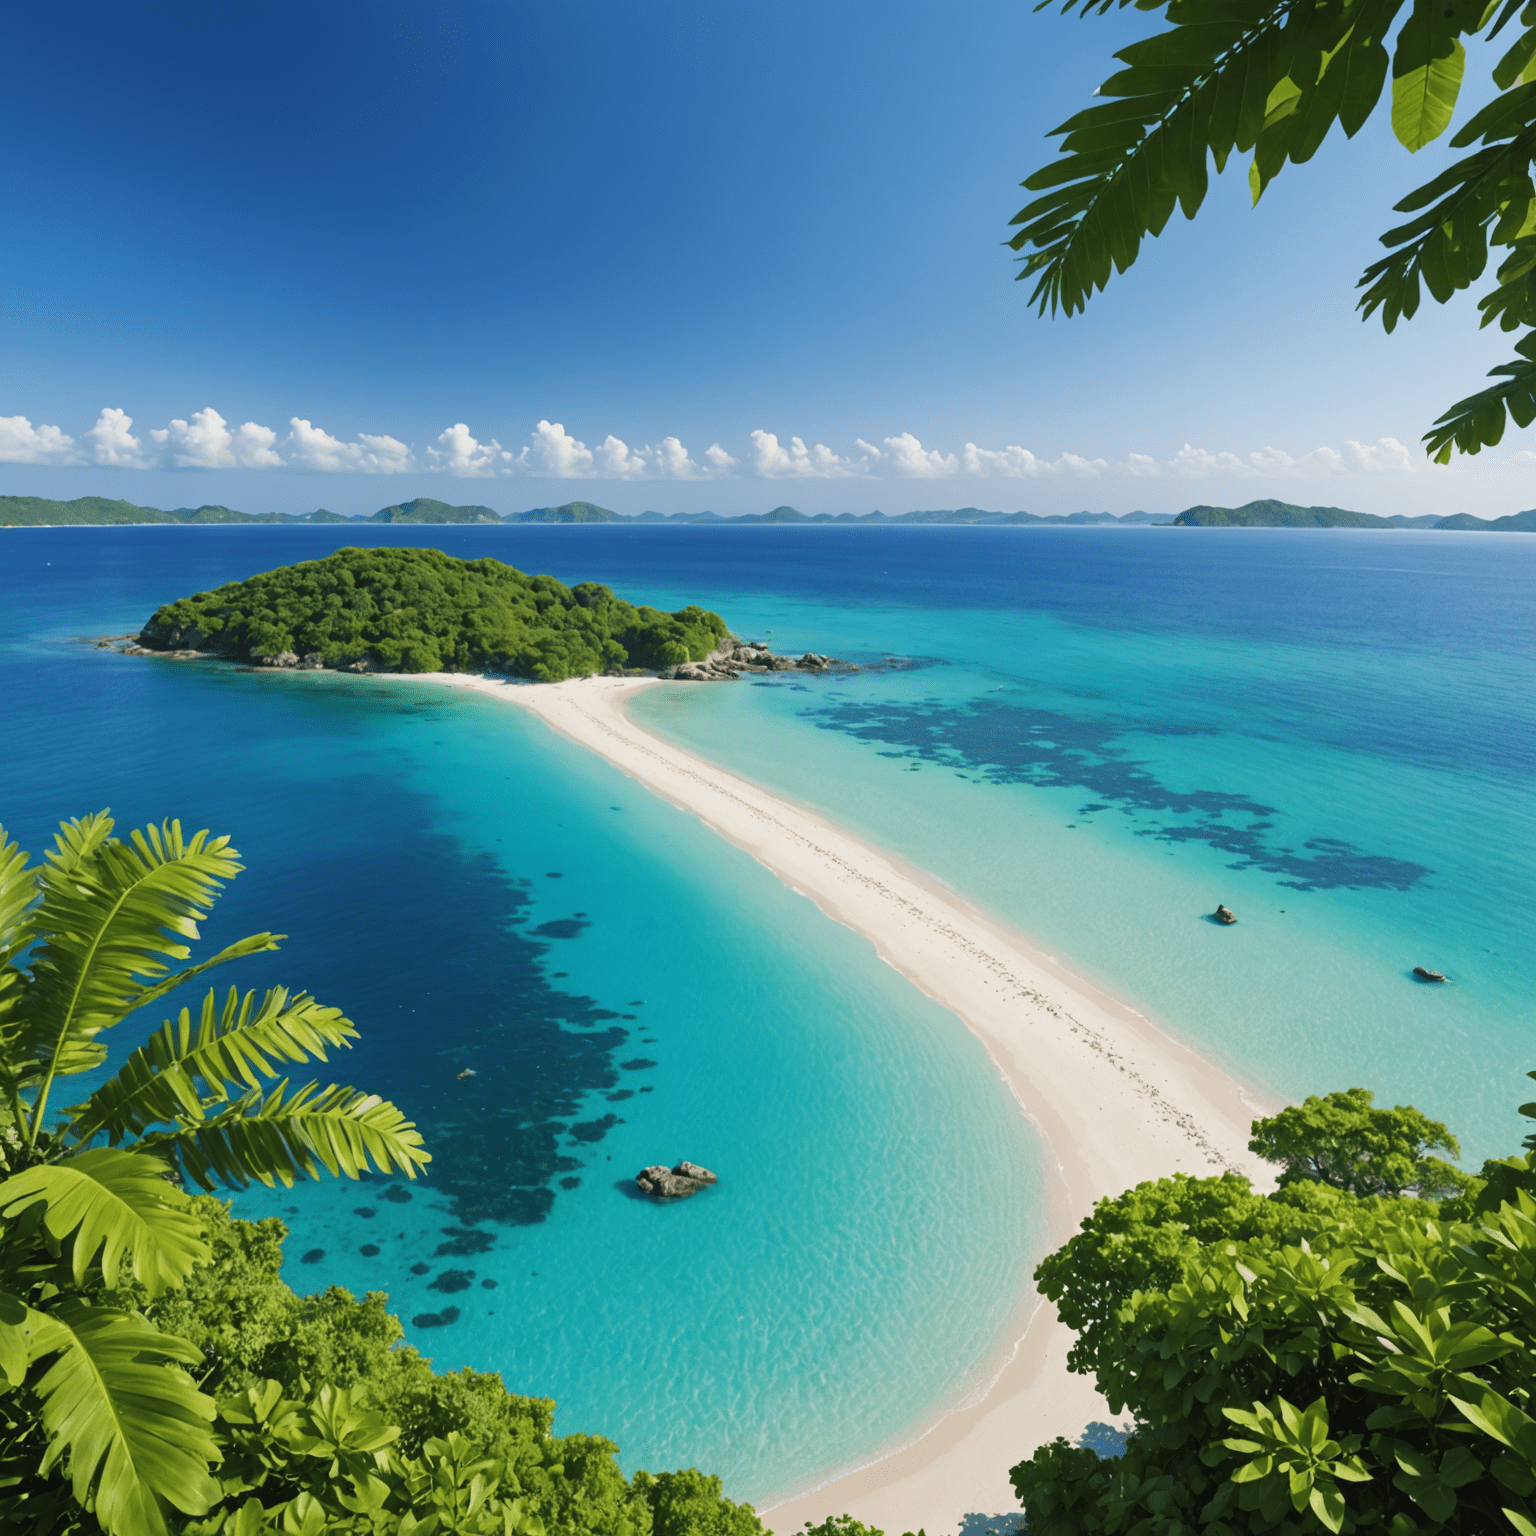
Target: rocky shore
{"points": [[725, 663], [733, 656]]}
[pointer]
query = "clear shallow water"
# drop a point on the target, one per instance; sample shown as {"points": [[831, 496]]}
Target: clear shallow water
{"points": [[1112, 730], [477, 892]]}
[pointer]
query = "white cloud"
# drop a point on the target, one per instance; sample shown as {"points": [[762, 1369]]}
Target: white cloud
{"points": [[1385, 456], [555, 452], [206, 442], [311, 448], [1017, 463], [111, 441], [461, 453], [773, 461], [718, 459], [911, 458], [22, 443]]}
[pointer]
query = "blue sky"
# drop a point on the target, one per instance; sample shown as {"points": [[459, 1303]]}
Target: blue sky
{"points": [[280, 256]]}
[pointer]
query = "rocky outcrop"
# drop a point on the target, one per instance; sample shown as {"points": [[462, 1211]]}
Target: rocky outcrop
{"points": [[674, 1183], [732, 657], [1424, 973], [1224, 915]]}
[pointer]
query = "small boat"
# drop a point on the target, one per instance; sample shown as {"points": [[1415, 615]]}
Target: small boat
{"points": [[1425, 974], [467, 1072], [1224, 915]]}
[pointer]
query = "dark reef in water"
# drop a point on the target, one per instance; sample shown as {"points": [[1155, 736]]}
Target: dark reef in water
{"points": [[420, 1269], [398, 1195], [1014, 744], [453, 1280], [464, 1241], [369, 1250], [313, 1256], [436, 1319]]}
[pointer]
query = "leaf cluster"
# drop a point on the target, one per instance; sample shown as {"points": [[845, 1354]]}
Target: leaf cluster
{"points": [[1334, 1363], [1269, 79], [419, 610]]}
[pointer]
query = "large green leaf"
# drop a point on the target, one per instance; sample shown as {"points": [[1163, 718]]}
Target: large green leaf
{"points": [[116, 1203], [112, 915], [131, 1430], [278, 1139], [183, 1069]]}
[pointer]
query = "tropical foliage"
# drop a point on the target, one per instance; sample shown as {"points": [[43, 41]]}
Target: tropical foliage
{"points": [[88, 1202], [1269, 79], [419, 610], [1315, 1360]]}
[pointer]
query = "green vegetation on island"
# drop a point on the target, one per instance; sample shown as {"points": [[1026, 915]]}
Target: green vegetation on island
{"points": [[419, 610], [1284, 514], [425, 510], [156, 1374]]}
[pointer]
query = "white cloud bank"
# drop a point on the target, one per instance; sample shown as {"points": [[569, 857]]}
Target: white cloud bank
{"points": [[205, 440]]}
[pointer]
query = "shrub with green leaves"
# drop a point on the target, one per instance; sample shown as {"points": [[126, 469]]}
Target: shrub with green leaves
{"points": [[1310, 1361], [419, 610]]}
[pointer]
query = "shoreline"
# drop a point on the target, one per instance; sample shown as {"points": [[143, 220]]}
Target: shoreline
{"points": [[1115, 1099]]}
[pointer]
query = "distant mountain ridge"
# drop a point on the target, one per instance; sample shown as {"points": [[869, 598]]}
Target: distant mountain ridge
{"points": [[99, 511], [1284, 514]]}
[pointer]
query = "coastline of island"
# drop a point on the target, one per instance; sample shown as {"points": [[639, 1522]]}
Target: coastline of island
{"points": [[1116, 1099]]}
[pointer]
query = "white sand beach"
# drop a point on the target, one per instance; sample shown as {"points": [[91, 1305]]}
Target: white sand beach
{"points": [[1117, 1100]]}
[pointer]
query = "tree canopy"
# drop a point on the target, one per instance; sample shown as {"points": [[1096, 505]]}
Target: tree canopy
{"points": [[419, 610], [1319, 1359], [1269, 79]]}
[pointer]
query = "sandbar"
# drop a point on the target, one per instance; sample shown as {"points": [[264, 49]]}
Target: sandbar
{"points": [[1117, 1099]]}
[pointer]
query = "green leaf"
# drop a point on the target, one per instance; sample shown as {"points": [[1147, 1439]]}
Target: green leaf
{"points": [[278, 1139], [133, 1431], [13, 1338], [117, 1203], [1427, 70], [181, 1069]]}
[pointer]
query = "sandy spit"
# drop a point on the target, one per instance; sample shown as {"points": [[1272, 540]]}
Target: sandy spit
{"points": [[1116, 1099]]}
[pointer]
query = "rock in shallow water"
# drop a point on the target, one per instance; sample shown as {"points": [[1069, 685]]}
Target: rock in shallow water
{"points": [[674, 1183]]}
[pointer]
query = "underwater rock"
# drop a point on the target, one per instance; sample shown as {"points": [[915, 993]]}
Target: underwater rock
{"points": [[369, 1250], [313, 1256], [420, 1269], [436, 1319], [674, 1183]]}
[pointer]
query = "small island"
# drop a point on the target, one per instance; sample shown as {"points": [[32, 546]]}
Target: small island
{"points": [[419, 610]]}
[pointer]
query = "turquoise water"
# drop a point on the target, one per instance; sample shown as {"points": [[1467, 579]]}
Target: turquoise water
{"points": [[1098, 735], [478, 893]]}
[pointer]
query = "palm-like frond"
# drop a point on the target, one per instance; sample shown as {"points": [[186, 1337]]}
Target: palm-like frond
{"points": [[133, 1430], [184, 1068], [116, 1203], [111, 916], [276, 1139]]}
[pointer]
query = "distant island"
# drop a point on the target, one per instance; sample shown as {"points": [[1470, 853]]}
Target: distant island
{"points": [[1283, 514], [419, 610], [98, 511]]}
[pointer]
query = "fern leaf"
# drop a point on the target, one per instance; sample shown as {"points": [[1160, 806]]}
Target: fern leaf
{"points": [[277, 1139], [182, 1069], [112, 1203], [112, 914]]}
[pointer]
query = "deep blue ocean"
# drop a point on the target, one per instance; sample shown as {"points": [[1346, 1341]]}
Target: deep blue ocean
{"points": [[1098, 734]]}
